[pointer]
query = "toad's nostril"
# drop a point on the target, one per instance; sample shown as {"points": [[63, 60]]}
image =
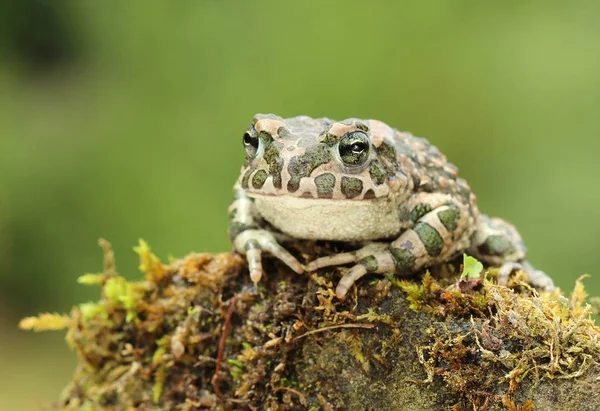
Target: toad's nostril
{"points": [[291, 148]]}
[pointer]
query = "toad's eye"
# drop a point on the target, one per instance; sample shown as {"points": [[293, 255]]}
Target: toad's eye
{"points": [[354, 148], [250, 144]]}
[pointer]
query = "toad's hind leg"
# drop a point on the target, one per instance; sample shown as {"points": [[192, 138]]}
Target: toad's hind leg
{"points": [[435, 237], [498, 243]]}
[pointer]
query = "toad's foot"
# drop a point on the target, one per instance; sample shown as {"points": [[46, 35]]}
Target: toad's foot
{"points": [[537, 278], [373, 258], [253, 242]]}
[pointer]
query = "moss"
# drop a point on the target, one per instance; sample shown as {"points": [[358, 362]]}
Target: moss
{"points": [[149, 263], [46, 322], [197, 334], [122, 294], [91, 310], [92, 279]]}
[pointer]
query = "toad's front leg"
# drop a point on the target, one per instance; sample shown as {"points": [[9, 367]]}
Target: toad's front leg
{"points": [[435, 237], [249, 238]]}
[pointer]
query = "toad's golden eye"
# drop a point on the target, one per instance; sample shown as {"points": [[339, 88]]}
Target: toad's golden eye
{"points": [[250, 144], [354, 148]]}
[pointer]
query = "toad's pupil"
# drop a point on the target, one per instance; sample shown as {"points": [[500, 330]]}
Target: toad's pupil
{"points": [[357, 148], [248, 140]]}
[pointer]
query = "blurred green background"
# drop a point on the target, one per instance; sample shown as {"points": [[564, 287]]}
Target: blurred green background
{"points": [[124, 120]]}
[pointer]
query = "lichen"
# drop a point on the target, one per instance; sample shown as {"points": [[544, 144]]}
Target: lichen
{"points": [[198, 334]]}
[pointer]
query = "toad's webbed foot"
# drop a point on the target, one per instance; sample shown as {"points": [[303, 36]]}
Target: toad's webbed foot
{"points": [[372, 258], [498, 243], [537, 278], [253, 242]]}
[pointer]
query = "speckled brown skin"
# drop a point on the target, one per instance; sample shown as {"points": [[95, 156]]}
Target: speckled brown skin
{"points": [[361, 181]]}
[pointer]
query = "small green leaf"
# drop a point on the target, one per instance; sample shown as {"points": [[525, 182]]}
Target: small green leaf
{"points": [[472, 268]]}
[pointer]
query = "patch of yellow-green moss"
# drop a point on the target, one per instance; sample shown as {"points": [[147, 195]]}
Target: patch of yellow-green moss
{"points": [[46, 322], [523, 334]]}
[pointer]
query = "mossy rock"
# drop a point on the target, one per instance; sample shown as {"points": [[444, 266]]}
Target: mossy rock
{"points": [[197, 334]]}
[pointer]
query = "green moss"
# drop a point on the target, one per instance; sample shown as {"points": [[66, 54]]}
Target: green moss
{"points": [[149, 263], [46, 322], [91, 310], [159, 382], [92, 279], [123, 295]]}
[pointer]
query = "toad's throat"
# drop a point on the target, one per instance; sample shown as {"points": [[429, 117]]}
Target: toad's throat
{"points": [[328, 219]]}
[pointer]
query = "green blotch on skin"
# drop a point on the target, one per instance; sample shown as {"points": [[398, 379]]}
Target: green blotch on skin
{"points": [[403, 259], [376, 174], [496, 245], [302, 165], [233, 213], [330, 139], [449, 218], [259, 179], [283, 132], [432, 240], [271, 156], [351, 187], [370, 263], [265, 137], [276, 172], [388, 152], [419, 211], [325, 183], [246, 178]]}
